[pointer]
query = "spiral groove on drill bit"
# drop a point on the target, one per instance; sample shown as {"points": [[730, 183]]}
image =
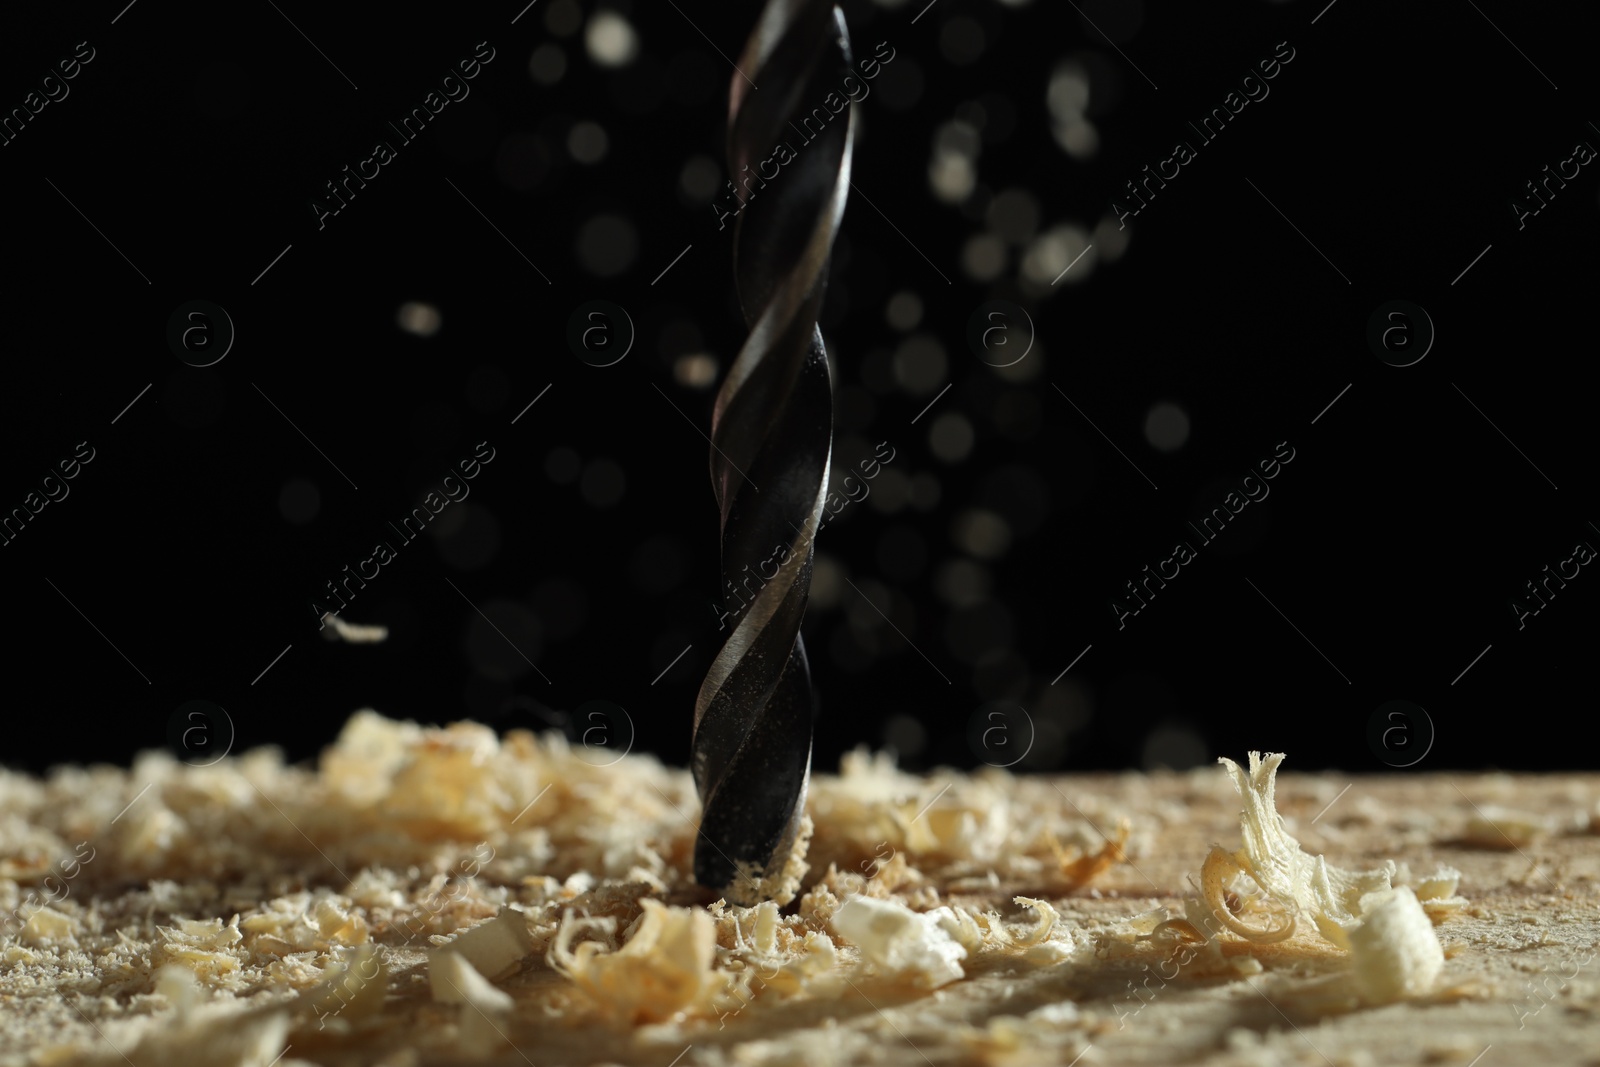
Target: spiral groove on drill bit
{"points": [[772, 436]]}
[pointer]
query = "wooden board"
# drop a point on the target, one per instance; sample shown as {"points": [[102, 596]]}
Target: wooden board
{"points": [[403, 837]]}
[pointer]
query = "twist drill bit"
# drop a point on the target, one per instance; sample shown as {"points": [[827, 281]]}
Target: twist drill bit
{"points": [[772, 442]]}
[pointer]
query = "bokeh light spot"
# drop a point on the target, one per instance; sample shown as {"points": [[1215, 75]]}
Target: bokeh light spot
{"points": [[905, 735], [698, 179], [982, 533], [920, 363], [607, 245], [587, 142], [1166, 427], [961, 40], [1174, 745], [950, 437], [603, 483], [904, 310], [418, 318], [610, 39], [548, 64], [983, 257], [563, 17], [697, 370]]}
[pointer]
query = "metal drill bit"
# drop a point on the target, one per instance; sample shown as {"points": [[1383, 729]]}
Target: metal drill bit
{"points": [[772, 442]]}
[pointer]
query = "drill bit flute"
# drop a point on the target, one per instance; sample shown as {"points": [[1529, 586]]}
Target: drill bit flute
{"points": [[772, 442]]}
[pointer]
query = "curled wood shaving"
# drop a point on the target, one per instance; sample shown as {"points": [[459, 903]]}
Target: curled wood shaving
{"points": [[1394, 951], [663, 971]]}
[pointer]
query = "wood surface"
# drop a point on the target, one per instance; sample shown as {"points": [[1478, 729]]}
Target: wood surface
{"points": [[1521, 982]]}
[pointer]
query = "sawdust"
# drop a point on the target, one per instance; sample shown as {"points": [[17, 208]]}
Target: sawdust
{"points": [[438, 896]]}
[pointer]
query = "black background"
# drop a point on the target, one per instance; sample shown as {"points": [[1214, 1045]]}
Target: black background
{"points": [[1382, 564]]}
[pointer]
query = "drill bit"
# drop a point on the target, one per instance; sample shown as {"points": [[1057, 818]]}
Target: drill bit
{"points": [[772, 443]]}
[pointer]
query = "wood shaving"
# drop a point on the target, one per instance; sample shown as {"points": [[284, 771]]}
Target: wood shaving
{"points": [[252, 912], [1493, 826], [662, 971], [1394, 950], [496, 948], [484, 1009], [352, 989], [1086, 866], [352, 633], [900, 941]]}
